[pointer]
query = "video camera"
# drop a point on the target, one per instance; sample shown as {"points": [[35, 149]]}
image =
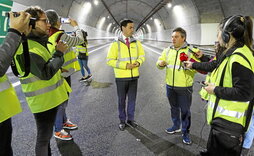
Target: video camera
{"points": [[16, 14]]}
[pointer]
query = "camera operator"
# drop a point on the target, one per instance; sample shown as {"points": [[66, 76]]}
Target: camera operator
{"points": [[44, 83], [10, 104]]}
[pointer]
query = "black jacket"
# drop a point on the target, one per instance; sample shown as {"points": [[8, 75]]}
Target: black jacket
{"points": [[243, 78]]}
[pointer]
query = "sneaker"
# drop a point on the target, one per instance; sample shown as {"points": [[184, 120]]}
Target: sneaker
{"points": [[82, 79], [173, 130], [63, 135], [69, 125], [186, 139], [88, 77], [132, 123]]}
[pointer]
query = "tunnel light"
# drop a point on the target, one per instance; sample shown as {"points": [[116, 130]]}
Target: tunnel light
{"points": [[148, 28], [157, 24], [96, 2], [169, 5], [87, 8], [151, 18], [108, 27], [179, 14], [101, 22], [108, 16]]}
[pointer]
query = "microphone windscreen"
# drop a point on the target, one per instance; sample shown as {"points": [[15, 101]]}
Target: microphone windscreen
{"points": [[183, 57]]}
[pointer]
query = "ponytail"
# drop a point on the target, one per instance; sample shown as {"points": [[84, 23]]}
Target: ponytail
{"points": [[248, 40]]}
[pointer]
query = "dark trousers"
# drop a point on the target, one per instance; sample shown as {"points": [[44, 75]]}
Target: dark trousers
{"points": [[6, 135], [126, 89], [180, 100], [44, 122]]}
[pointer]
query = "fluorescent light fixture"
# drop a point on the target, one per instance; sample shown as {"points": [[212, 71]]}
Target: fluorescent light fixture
{"points": [[96, 2], [148, 28], [157, 24], [169, 5], [108, 27], [101, 22]]}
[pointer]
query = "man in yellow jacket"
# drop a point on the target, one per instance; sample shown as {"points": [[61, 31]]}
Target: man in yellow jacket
{"points": [[126, 55], [9, 105], [179, 81]]}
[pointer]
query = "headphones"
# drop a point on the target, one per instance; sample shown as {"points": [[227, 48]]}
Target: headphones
{"points": [[225, 33]]}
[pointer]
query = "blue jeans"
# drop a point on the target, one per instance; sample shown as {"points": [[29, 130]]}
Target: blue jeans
{"points": [[249, 135], [83, 64], [180, 100], [126, 88], [61, 116]]}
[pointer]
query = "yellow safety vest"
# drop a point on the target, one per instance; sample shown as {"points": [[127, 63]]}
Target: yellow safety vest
{"points": [[9, 105], [203, 93], [82, 49], [119, 55], [234, 111], [176, 75], [42, 95], [70, 60]]}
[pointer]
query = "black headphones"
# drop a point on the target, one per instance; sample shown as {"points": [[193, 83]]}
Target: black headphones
{"points": [[225, 33]]}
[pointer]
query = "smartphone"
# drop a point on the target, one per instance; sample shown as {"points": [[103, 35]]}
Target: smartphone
{"points": [[202, 83], [65, 20]]}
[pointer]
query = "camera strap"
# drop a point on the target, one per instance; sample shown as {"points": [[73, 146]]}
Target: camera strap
{"points": [[26, 59]]}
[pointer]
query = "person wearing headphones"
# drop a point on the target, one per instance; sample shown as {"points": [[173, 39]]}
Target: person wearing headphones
{"points": [[179, 81], [231, 87], [9, 104], [44, 87]]}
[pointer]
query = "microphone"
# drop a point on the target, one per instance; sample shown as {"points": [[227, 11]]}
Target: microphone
{"points": [[183, 57]]}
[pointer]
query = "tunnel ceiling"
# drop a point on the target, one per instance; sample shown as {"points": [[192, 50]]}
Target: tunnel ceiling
{"points": [[205, 11]]}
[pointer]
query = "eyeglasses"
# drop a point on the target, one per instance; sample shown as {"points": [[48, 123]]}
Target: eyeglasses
{"points": [[44, 20]]}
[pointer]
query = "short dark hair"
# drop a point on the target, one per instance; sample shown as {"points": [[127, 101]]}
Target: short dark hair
{"points": [[124, 23], [52, 16], [181, 31], [35, 11]]}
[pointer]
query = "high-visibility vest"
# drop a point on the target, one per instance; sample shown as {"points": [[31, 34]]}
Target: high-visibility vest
{"points": [[203, 93], [119, 55], [9, 105], [81, 49], [42, 95], [70, 60], [176, 74], [234, 111]]}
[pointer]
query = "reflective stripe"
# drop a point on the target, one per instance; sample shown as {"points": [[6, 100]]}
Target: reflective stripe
{"points": [[223, 111], [141, 56], [127, 59], [29, 80], [137, 48], [118, 64], [109, 60], [69, 62], [44, 90], [5, 85], [176, 66], [119, 50]]}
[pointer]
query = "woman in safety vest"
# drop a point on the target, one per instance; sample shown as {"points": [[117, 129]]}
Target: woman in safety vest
{"points": [[231, 87]]}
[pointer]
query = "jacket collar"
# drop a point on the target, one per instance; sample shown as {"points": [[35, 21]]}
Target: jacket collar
{"points": [[121, 39], [185, 45]]}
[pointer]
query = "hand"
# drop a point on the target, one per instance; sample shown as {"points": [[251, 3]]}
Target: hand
{"points": [[199, 54], [73, 22], [61, 46], [64, 70], [136, 64], [210, 88], [20, 23], [187, 64], [129, 66], [162, 63]]}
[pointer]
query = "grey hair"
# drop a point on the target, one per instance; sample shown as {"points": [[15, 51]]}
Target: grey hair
{"points": [[53, 17]]}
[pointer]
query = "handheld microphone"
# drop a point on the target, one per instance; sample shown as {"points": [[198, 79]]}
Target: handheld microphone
{"points": [[183, 57]]}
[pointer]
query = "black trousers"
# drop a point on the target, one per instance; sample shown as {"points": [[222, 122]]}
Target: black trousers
{"points": [[44, 122], [6, 136]]}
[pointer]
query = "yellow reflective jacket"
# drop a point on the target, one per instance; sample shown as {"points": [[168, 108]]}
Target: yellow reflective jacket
{"points": [[119, 55], [176, 74], [234, 111], [9, 105]]}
